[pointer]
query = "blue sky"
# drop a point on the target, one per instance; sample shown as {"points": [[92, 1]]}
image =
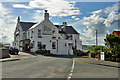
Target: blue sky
{"points": [[85, 17]]}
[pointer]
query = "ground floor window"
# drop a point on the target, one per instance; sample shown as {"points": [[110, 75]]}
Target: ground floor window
{"points": [[53, 45], [39, 45]]}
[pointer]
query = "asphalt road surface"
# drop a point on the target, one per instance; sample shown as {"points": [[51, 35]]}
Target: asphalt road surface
{"points": [[55, 67]]}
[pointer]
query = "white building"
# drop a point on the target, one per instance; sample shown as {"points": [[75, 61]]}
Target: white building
{"points": [[59, 39]]}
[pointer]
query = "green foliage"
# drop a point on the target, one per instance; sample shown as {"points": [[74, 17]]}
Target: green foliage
{"points": [[113, 42], [86, 50], [107, 51], [95, 49], [1, 45]]}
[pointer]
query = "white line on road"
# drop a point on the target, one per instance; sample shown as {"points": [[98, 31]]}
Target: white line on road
{"points": [[71, 72]]}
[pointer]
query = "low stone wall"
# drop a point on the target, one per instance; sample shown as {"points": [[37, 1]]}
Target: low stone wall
{"points": [[4, 53]]}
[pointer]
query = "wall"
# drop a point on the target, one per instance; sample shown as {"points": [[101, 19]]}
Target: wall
{"points": [[18, 38], [4, 53], [78, 41]]}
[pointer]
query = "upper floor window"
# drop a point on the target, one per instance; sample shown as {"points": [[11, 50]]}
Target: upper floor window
{"points": [[39, 33], [24, 35], [71, 37], [31, 34]]}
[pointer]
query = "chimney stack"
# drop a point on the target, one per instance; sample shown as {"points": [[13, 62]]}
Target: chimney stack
{"points": [[18, 19], [64, 26], [46, 15], [65, 23]]}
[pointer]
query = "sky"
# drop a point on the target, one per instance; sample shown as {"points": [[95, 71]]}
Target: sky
{"points": [[85, 17]]}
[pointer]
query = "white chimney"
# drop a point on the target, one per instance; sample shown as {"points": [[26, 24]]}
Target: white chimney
{"points": [[65, 23], [64, 26], [46, 15], [18, 19]]}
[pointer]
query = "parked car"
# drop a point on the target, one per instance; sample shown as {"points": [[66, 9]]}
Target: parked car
{"points": [[81, 53], [13, 50]]}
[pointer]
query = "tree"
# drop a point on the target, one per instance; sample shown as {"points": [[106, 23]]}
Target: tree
{"points": [[95, 49], [113, 42]]}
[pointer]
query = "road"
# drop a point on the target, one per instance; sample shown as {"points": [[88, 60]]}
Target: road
{"points": [[55, 67]]}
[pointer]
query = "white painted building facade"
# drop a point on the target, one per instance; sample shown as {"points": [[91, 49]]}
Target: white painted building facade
{"points": [[59, 39]]}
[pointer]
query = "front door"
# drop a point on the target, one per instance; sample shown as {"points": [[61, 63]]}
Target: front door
{"points": [[27, 47], [70, 51]]}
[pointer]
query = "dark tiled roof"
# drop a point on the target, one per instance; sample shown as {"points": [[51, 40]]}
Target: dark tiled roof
{"points": [[26, 25], [69, 29], [58, 26]]}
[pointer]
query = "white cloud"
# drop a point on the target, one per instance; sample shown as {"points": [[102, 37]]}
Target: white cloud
{"points": [[7, 24], [72, 1], [21, 6], [37, 16], [76, 18], [73, 17], [101, 21], [56, 23], [113, 8], [68, 19], [55, 7]]}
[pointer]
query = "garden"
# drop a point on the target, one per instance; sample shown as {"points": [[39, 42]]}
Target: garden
{"points": [[112, 49]]}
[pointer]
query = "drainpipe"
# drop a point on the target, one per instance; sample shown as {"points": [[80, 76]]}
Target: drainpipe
{"points": [[57, 46]]}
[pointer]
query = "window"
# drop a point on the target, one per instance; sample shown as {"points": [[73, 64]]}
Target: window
{"points": [[44, 46], [31, 34], [39, 43], [71, 37], [28, 34], [53, 45], [39, 33]]}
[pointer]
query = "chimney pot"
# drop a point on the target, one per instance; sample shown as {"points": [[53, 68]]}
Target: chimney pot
{"points": [[46, 15], [46, 11], [18, 19], [65, 23]]}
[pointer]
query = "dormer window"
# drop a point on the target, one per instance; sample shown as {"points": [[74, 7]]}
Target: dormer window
{"points": [[70, 37]]}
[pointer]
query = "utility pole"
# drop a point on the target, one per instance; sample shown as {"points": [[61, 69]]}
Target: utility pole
{"points": [[96, 39]]}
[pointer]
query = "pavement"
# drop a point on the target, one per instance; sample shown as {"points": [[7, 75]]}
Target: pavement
{"points": [[87, 60], [66, 67], [39, 67], [21, 55], [83, 59]]}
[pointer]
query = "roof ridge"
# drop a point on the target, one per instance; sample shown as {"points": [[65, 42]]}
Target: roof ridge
{"points": [[28, 22]]}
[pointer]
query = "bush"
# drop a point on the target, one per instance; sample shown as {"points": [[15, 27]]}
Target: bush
{"points": [[113, 42], [43, 51]]}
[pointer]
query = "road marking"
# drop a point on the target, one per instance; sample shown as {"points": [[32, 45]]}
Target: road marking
{"points": [[71, 72]]}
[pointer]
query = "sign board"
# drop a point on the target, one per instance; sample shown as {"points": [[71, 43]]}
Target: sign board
{"points": [[46, 30], [102, 56]]}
